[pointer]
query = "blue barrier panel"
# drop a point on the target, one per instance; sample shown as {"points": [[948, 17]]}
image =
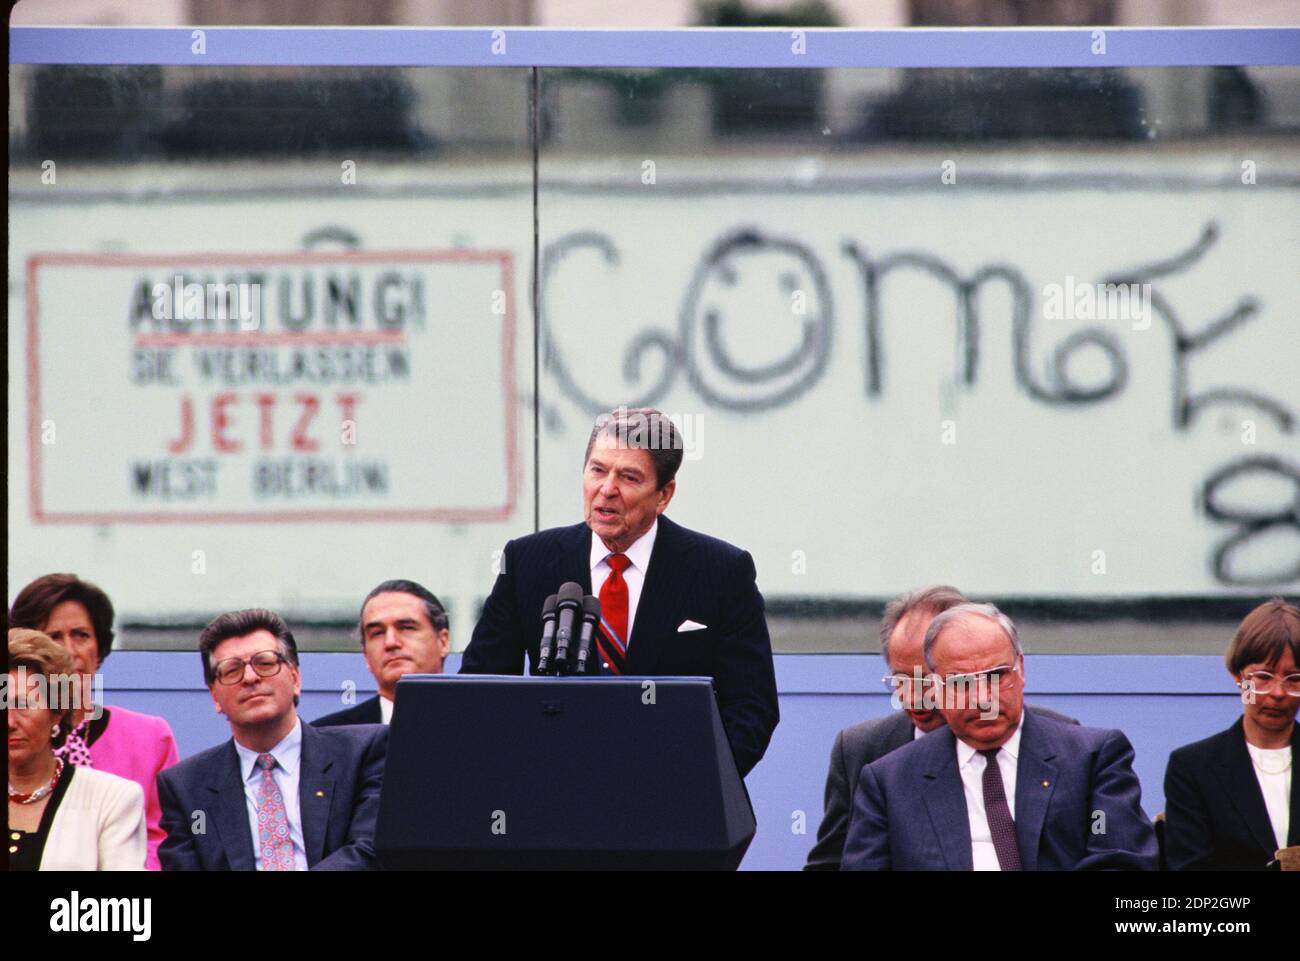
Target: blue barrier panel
{"points": [[762, 48], [1159, 702]]}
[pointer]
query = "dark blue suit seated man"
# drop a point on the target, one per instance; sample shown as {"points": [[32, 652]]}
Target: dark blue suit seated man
{"points": [[280, 795], [997, 788], [404, 630], [902, 633], [673, 601]]}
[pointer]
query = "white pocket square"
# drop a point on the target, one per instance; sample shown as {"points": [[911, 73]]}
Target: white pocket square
{"points": [[689, 625]]}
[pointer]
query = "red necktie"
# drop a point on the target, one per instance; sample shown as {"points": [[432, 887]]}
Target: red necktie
{"points": [[612, 636]]}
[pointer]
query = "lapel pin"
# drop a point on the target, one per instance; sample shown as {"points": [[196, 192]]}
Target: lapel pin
{"points": [[322, 793], [1047, 784]]}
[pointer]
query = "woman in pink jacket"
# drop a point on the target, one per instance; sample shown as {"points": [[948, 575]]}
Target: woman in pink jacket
{"points": [[78, 615]]}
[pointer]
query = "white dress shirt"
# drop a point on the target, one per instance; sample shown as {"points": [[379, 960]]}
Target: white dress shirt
{"points": [[288, 766], [970, 762], [385, 710], [639, 555], [1273, 771]]}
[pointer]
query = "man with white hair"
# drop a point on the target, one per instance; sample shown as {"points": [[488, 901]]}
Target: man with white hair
{"points": [[902, 634], [997, 788]]}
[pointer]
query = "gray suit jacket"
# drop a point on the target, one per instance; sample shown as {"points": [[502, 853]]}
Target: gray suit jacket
{"points": [[855, 747]]}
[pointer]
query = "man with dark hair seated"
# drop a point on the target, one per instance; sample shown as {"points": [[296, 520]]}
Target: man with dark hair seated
{"points": [[280, 795], [404, 630]]}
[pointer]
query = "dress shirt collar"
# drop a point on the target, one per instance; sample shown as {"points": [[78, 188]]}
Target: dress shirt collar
{"points": [[638, 553], [966, 753], [385, 710], [287, 754]]}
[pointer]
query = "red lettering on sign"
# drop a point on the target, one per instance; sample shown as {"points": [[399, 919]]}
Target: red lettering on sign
{"points": [[220, 421], [181, 444], [347, 405], [265, 403], [310, 404]]}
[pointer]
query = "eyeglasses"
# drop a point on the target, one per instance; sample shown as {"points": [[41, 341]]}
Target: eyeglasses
{"points": [[981, 680], [1266, 682], [265, 664]]}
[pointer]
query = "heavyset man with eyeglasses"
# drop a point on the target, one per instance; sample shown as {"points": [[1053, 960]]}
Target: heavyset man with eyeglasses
{"points": [[280, 795], [997, 788], [902, 632]]}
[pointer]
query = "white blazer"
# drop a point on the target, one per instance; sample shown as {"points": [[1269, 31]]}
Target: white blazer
{"points": [[99, 825]]}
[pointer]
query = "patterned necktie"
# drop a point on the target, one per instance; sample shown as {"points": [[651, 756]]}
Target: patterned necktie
{"points": [[272, 821], [611, 639], [1001, 825]]}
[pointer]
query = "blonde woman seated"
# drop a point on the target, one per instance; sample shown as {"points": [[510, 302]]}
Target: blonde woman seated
{"points": [[61, 818]]}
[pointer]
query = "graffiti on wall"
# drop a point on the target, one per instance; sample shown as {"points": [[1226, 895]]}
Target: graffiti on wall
{"points": [[697, 353]]}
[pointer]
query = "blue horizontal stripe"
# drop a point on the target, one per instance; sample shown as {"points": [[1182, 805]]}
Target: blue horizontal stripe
{"points": [[752, 48]]}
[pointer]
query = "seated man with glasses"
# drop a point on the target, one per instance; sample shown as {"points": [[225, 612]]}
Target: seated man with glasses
{"points": [[998, 788], [902, 630], [280, 795]]}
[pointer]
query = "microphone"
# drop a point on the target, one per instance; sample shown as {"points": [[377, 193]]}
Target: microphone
{"points": [[569, 607], [547, 648], [590, 618]]}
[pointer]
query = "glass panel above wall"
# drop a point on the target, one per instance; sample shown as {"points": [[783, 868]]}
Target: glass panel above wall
{"points": [[268, 310], [1029, 332]]}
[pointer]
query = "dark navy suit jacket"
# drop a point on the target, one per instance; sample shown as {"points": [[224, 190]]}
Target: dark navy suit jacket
{"points": [[855, 747], [338, 792], [1215, 814], [691, 577], [909, 811], [367, 712]]}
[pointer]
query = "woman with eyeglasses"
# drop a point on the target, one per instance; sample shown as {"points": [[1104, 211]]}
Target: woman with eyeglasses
{"points": [[79, 616], [1233, 800], [61, 818]]}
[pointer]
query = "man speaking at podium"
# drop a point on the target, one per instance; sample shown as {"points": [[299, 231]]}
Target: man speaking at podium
{"points": [[673, 602]]}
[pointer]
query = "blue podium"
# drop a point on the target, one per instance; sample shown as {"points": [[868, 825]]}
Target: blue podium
{"points": [[488, 772]]}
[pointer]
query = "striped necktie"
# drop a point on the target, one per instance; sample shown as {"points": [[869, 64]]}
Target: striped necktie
{"points": [[611, 639]]}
